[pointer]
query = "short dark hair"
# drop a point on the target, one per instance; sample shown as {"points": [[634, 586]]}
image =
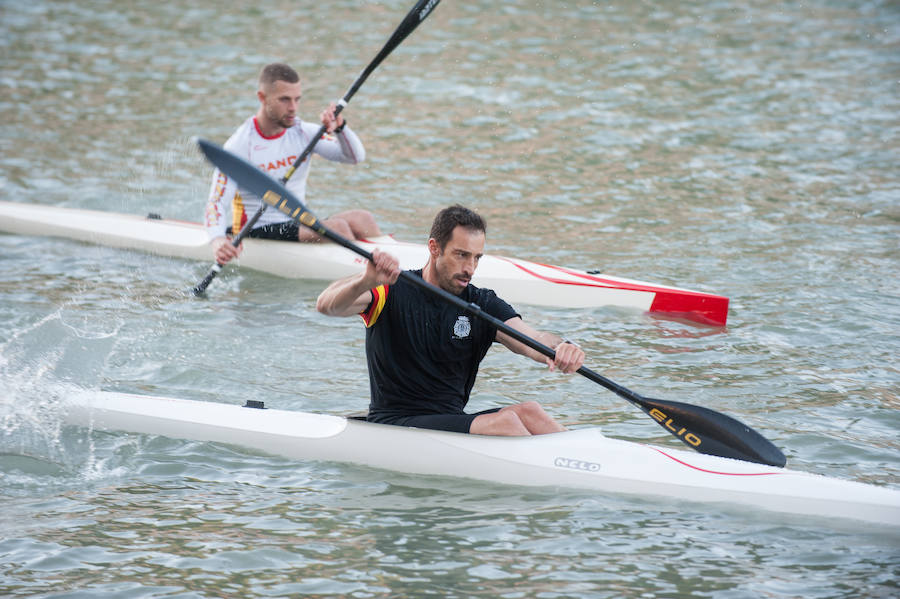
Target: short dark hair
{"points": [[277, 71], [455, 216]]}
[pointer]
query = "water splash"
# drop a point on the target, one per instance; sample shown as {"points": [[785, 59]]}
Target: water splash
{"points": [[37, 450]]}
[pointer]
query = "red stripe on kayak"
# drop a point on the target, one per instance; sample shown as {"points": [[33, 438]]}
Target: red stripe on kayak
{"points": [[705, 308], [683, 463]]}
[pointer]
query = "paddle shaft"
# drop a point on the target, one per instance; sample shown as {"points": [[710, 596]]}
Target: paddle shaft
{"points": [[416, 15]]}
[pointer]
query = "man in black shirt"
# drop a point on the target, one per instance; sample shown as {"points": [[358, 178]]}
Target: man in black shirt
{"points": [[423, 353]]}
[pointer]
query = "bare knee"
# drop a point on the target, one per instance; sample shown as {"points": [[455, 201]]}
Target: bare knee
{"points": [[338, 225], [503, 423], [530, 411], [341, 227], [531, 407], [535, 419], [361, 222]]}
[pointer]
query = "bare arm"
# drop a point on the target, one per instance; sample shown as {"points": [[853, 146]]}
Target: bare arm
{"points": [[351, 295], [569, 357]]}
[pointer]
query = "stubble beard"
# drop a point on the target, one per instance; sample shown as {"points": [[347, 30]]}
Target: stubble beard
{"points": [[449, 283], [285, 121]]}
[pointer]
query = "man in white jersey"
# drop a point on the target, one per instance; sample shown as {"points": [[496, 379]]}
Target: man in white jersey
{"points": [[272, 140]]}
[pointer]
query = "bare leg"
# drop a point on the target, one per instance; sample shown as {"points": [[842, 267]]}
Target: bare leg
{"points": [[535, 419], [361, 222], [338, 225], [352, 224], [522, 419]]}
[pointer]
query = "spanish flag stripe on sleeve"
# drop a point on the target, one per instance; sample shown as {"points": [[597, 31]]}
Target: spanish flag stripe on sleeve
{"points": [[379, 296]]}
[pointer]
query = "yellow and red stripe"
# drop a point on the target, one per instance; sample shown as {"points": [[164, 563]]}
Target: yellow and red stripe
{"points": [[379, 296]]}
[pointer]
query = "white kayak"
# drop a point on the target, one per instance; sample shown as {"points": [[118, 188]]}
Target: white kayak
{"points": [[580, 458], [517, 281]]}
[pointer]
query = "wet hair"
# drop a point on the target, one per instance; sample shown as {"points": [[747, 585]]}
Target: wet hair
{"points": [[277, 72], [451, 217]]}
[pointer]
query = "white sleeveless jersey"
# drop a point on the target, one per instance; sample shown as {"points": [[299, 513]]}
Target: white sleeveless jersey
{"points": [[227, 207]]}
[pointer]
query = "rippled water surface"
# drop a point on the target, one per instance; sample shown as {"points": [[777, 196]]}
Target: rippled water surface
{"points": [[744, 148]]}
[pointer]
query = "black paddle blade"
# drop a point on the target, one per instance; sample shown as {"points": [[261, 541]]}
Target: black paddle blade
{"points": [[254, 180], [713, 433]]}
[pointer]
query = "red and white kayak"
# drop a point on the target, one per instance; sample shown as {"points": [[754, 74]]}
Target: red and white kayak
{"points": [[581, 458], [517, 281]]}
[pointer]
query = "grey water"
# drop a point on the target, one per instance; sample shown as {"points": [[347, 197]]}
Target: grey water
{"points": [[749, 149]]}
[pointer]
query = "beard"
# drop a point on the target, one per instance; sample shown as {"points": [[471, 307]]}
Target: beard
{"points": [[449, 282], [285, 121]]}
